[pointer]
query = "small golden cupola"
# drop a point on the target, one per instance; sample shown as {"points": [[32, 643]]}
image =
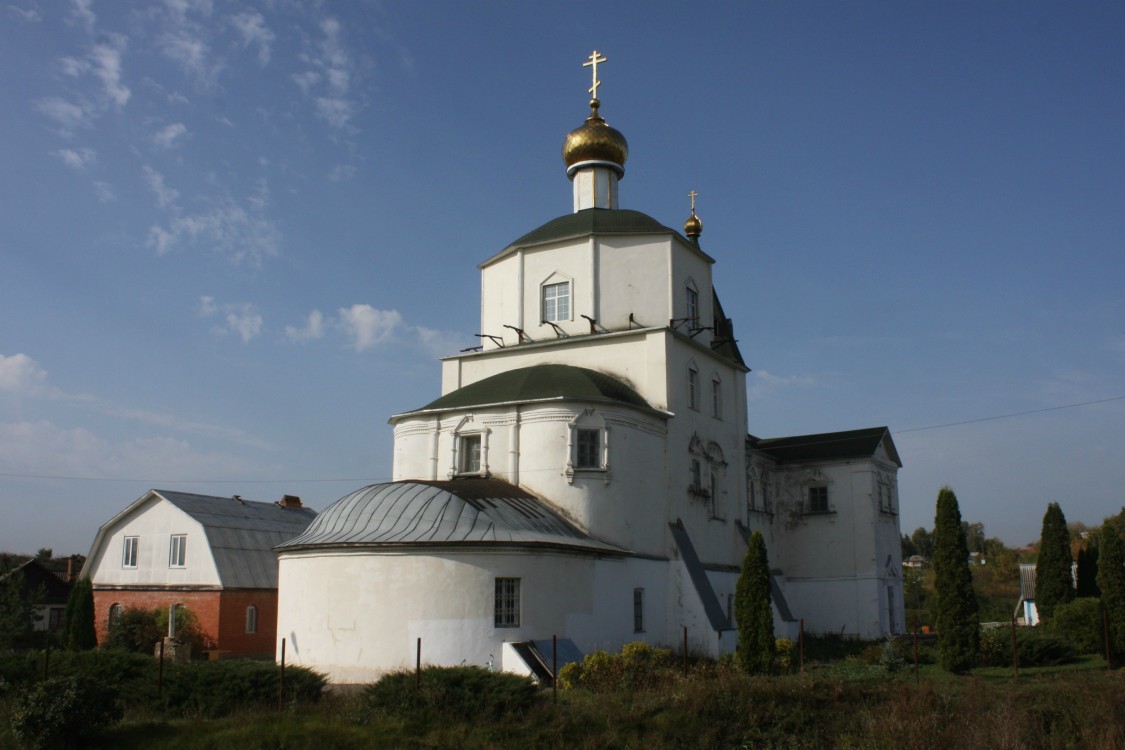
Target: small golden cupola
{"points": [[595, 153], [693, 227]]}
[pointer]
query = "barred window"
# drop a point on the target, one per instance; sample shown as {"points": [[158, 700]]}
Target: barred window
{"points": [[818, 499], [507, 603], [589, 450]]}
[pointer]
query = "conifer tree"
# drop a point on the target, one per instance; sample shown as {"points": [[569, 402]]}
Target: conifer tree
{"points": [[1054, 582], [79, 620], [1087, 561], [957, 623], [1111, 581], [753, 611]]}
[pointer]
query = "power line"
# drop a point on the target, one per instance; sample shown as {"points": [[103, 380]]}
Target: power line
{"points": [[1013, 414]]}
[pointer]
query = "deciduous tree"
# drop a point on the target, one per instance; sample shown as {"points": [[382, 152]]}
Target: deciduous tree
{"points": [[957, 618], [753, 611]]}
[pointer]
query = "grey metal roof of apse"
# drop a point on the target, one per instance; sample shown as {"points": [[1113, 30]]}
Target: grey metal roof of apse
{"points": [[242, 534], [540, 383], [593, 221], [469, 511]]}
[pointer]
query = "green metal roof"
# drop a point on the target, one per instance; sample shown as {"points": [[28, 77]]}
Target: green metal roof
{"points": [[593, 221], [828, 445], [540, 383]]}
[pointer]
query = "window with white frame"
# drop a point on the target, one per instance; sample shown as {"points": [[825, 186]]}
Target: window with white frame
{"points": [[507, 611], [251, 619], [129, 552], [556, 301], [638, 610], [716, 398], [691, 305], [818, 499], [588, 452], [469, 454], [177, 551]]}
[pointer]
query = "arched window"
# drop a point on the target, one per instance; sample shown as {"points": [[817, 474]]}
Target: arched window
{"points": [[251, 619], [114, 618]]}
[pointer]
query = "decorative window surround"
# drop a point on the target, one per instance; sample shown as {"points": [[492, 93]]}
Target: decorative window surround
{"points": [[587, 447], [470, 450]]}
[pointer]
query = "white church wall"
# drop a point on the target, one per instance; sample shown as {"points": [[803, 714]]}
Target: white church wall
{"points": [[633, 277], [153, 523]]}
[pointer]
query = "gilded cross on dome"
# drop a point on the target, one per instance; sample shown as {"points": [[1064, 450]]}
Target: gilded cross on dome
{"points": [[593, 63], [693, 195]]}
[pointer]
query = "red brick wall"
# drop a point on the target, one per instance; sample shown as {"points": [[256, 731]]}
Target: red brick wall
{"points": [[221, 614]]}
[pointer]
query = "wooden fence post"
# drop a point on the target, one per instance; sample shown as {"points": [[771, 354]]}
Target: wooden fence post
{"points": [[281, 681], [418, 665]]}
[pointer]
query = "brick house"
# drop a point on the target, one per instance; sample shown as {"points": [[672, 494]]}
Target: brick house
{"points": [[213, 555]]}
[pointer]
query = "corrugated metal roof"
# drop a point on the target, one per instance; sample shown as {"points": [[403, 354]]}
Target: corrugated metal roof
{"points": [[242, 534], [458, 511]]}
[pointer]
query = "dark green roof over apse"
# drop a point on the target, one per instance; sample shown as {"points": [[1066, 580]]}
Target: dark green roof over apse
{"points": [[540, 383], [593, 221]]}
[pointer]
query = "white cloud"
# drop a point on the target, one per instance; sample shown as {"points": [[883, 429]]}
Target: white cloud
{"points": [[104, 191], [168, 136], [243, 237], [106, 58], [68, 115], [21, 375], [306, 80], [237, 317], [328, 80], [365, 326], [81, 13], [29, 15], [75, 158], [336, 110], [341, 173], [763, 382], [252, 28], [74, 67], [313, 328], [165, 196], [160, 240]]}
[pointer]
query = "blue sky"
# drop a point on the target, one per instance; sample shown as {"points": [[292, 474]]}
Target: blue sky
{"points": [[236, 237]]}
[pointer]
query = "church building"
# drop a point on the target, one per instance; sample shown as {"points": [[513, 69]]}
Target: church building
{"points": [[588, 474]]}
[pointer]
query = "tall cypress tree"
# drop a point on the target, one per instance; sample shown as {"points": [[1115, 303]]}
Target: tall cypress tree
{"points": [[753, 611], [1054, 582], [957, 623], [79, 621], [1087, 561], [1111, 581]]}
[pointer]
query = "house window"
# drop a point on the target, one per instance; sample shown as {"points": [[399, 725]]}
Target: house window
{"points": [[129, 552], [507, 603], [693, 388], [177, 551], [716, 399], [556, 301], [114, 618], [691, 308], [588, 449], [251, 619], [470, 454], [818, 499], [638, 610], [55, 618], [696, 476]]}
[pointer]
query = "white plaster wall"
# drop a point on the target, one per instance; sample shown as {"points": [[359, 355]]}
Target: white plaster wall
{"points": [[154, 523], [356, 615]]}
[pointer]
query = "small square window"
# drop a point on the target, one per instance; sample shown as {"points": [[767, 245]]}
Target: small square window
{"points": [[129, 552], [589, 455], [470, 455], [507, 612], [556, 301], [818, 499], [177, 551]]}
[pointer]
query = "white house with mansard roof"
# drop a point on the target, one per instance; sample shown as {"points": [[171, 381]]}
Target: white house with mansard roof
{"points": [[587, 473]]}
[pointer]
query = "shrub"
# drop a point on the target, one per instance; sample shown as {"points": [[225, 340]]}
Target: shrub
{"points": [[891, 657], [1042, 648], [1080, 623], [784, 654], [459, 693], [995, 647], [59, 712], [219, 688], [638, 665], [135, 630]]}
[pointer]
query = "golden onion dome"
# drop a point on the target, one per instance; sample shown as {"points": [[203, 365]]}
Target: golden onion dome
{"points": [[693, 227], [595, 143]]}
